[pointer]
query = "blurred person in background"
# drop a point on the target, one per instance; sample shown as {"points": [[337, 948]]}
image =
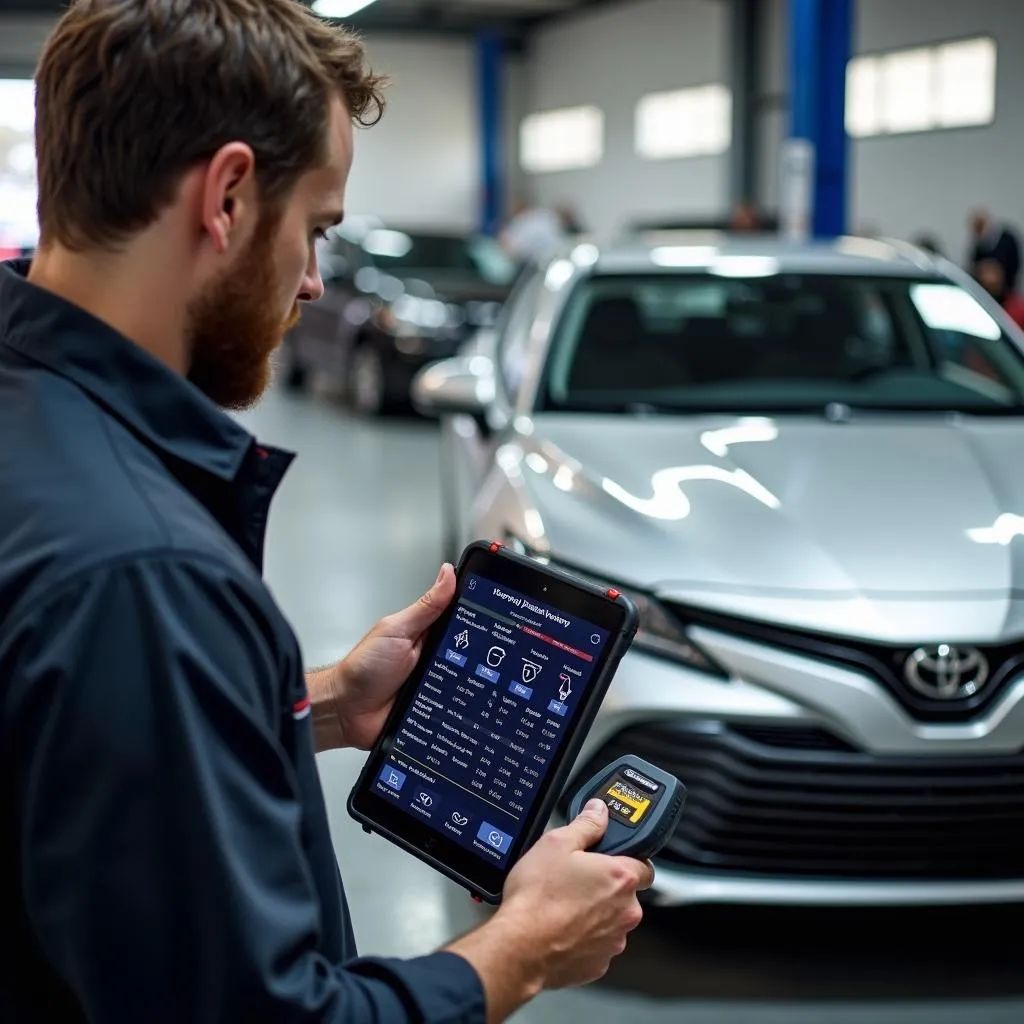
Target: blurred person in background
{"points": [[535, 232], [745, 218], [992, 277], [161, 816], [992, 240], [570, 219]]}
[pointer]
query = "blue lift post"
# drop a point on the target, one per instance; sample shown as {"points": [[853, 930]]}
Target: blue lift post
{"points": [[821, 36], [490, 68]]}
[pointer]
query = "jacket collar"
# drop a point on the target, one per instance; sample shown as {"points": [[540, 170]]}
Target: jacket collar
{"points": [[168, 411]]}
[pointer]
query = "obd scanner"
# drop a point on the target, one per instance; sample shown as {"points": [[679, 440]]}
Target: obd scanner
{"points": [[644, 806]]}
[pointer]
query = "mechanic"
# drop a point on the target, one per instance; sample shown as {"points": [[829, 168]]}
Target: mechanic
{"points": [[163, 827]]}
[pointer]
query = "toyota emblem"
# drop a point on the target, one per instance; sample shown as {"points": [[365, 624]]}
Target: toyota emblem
{"points": [[945, 672]]}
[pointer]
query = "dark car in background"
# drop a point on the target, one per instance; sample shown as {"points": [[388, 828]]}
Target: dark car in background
{"points": [[394, 300]]}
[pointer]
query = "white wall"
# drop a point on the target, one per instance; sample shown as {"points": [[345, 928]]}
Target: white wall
{"points": [[611, 58], [910, 183], [419, 165]]}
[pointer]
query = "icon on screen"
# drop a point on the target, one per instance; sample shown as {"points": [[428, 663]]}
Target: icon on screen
{"points": [[425, 801], [530, 671], [462, 639], [595, 638], [459, 819], [494, 837], [495, 656], [472, 585], [565, 690], [392, 777]]}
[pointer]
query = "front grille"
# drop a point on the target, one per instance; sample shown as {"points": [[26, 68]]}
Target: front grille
{"points": [[803, 803], [791, 737], [882, 662]]}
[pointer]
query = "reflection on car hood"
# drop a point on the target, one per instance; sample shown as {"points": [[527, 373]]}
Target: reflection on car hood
{"points": [[914, 507]]}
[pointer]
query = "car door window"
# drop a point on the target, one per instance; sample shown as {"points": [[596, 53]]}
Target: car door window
{"points": [[514, 334]]}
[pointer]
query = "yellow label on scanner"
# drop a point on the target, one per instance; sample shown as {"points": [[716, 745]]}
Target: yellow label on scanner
{"points": [[636, 803]]}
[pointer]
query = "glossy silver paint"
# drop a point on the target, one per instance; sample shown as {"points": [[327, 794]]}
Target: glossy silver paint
{"points": [[887, 528]]}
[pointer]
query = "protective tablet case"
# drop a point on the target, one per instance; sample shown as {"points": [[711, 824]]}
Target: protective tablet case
{"points": [[599, 688]]}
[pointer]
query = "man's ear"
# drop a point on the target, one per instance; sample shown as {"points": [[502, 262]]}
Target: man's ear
{"points": [[229, 194]]}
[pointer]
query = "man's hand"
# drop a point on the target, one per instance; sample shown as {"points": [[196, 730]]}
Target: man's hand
{"points": [[352, 699], [564, 916]]}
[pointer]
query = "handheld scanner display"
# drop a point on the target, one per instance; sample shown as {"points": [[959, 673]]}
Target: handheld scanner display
{"points": [[644, 806]]}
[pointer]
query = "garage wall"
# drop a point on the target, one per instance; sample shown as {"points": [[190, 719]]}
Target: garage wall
{"points": [[910, 183], [612, 57], [419, 165]]}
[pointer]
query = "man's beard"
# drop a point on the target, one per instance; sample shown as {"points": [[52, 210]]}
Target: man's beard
{"points": [[235, 326]]}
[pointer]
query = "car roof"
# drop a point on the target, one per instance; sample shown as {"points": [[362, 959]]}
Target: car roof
{"points": [[674, 252]]}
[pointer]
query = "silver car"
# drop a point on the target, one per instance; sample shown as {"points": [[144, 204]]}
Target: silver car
{"points": [[806, 464]]}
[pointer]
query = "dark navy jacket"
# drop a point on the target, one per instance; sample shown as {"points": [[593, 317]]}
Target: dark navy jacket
{"points": [[164, 848]]}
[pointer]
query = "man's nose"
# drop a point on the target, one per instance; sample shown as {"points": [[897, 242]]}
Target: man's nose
{"points": [[312, 287]]}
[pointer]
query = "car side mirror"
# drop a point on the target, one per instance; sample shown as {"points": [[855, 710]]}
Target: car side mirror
{"points": [[463, 385]]}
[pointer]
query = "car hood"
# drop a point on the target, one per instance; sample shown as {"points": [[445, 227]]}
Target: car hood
{"points": [[900, 506]]}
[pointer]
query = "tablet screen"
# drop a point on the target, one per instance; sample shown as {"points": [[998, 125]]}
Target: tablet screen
{"points": [[487, 720]]}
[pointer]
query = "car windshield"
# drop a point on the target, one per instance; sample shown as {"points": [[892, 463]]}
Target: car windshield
{"points": [[789, 342], [401, 252]]}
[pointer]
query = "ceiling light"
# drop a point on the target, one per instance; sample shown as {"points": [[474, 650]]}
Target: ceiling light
{"points": [[339, 8]]}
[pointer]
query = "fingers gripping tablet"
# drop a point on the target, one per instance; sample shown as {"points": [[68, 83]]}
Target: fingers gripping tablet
{"points": [[485, 730]]}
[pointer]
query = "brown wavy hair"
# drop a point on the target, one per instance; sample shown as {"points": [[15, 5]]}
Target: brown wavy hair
{"points": [[131, 94]]}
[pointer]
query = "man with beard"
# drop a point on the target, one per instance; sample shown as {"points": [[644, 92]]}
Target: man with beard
{"points": [[162, 828]]}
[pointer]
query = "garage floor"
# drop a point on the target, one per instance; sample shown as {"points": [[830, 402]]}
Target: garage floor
{"points": [[355, 534]]}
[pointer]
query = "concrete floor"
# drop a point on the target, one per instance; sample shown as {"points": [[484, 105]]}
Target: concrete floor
{"points": [[355, 533]]}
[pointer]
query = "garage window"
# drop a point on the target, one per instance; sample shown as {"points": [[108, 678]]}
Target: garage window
{"points": [[562, 140], [924, 89], [684, 123]]}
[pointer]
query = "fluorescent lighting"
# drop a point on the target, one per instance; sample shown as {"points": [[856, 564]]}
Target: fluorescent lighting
{"points": [[339, 8]]}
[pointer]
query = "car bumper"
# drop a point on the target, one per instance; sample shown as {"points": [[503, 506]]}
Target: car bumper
{"points": [[814, 771], [674, 888]]}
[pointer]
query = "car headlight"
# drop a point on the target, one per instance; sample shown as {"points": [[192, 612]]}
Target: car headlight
{"points": [[661, 632]]}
